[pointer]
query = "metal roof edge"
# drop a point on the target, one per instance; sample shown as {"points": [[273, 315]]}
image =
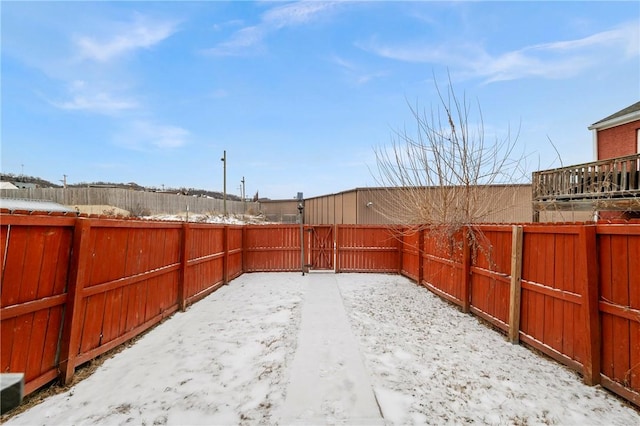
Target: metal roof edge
{"points": [[617, 120]]}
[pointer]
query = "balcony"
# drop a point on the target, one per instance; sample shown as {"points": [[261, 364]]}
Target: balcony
{"points": [[612, 184]]}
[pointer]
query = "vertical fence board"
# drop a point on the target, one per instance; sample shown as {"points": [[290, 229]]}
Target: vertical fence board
{"points": [[15, 261], [36, 344], [184, 257], [92, 322], [113, 300], [49, 359], [515, 288], [466, 270], [606, 293], [588, 277], [4, 246], [565, 271], [32, 263], [77, 279], [22, 330], [7, 328]]}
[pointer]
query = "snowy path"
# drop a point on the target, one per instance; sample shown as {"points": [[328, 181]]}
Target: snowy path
{"points": [[239, 357], [328, 379]]}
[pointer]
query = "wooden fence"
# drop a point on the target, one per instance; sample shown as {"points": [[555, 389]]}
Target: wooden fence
{"points": [[136, 202], [273, 248], [73, 288], [362, 248], [569, 291]]}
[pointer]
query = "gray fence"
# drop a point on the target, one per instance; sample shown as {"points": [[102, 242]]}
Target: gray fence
{"points": [[135, 202]]}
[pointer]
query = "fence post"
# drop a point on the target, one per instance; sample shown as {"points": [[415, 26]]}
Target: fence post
{"points": [[466, 269], [184, 260], [420, 256], [400, 234], [516, 281], [72, 329], [244, 249], [336, 249], [587, 269], [225, 259]]}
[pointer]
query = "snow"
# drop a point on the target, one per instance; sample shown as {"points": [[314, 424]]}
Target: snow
{"points": [[244, 355], [230, 219], [430, 363]]}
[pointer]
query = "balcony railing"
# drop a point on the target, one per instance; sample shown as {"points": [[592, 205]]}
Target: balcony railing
{"points": [[590, 184]]}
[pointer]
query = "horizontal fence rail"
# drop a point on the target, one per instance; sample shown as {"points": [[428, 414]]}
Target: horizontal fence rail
{"points": [[73, 287]]}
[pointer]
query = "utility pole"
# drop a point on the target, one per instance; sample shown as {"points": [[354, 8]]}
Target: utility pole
{"points": [[301, 220], [224, 185], [244, 205]]}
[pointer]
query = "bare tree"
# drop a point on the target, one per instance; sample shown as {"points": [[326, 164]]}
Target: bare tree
{"points": [[446, 175]]}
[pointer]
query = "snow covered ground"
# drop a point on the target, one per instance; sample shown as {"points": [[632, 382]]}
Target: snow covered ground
{"points": [[230, 360], [231, 219]]}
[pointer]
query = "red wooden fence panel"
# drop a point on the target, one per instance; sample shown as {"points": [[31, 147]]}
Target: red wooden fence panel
{"points": [[132, 282], [411, 254], [619, 304], [552, 300], [205, 260], [235, 251], [35, 256], [491, 274], [442, 262], [362, 248], [272, 248]]}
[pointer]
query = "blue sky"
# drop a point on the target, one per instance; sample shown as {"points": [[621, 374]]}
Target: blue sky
{"points": [[299, 94]]}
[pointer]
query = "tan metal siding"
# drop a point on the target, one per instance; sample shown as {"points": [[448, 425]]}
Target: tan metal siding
{"points": [[283, 211]]}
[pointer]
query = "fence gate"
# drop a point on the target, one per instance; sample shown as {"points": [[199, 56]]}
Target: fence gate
{"points": [[320, 247]]}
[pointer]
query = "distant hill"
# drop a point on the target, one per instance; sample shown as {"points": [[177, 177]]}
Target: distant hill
{"points": [[10, 177], [42, 183]]}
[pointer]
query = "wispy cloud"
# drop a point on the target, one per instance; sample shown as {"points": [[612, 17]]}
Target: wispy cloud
{"points": [[249, 38], [296, 13], [86, 98], [140, 33], [240, 41], [561, 59], [145, 135], [423, 53], [626, 37], [232, 23], [355, 72]]}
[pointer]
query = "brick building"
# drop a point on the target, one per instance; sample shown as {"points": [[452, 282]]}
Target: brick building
{"points": [[618, 134]]}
